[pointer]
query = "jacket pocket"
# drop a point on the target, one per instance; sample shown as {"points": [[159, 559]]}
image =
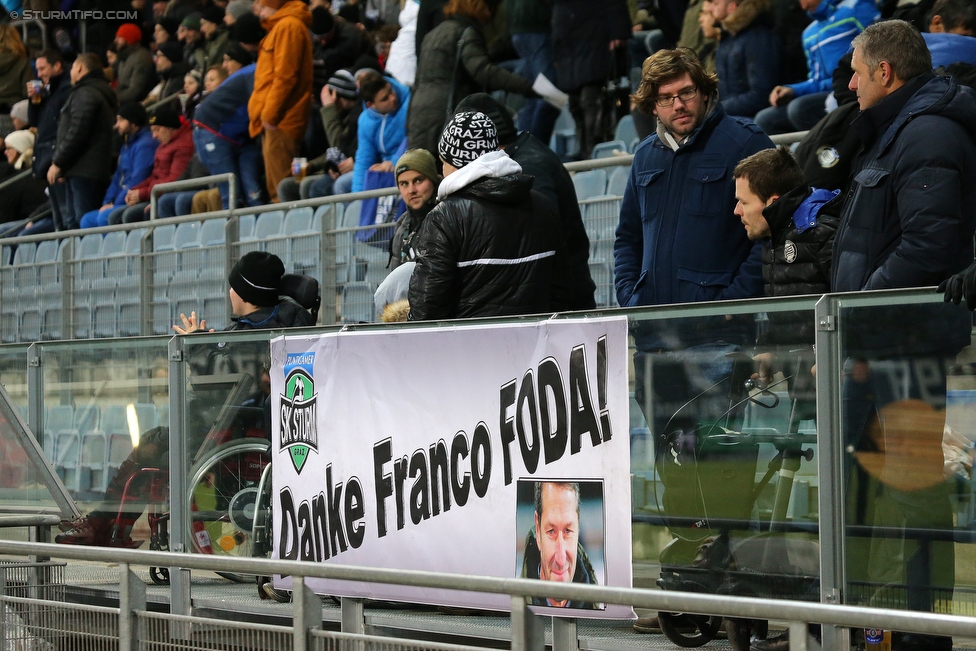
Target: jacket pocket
{"points": [[635, 297], [706, 194], [699, 285], [650, 191], [870, 199]]}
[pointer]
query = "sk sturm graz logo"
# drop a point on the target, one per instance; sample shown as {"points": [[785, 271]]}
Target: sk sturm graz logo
{"points": [[298, 432]]}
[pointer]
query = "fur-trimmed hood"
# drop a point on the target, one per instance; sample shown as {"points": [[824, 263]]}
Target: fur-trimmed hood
{"points": [[744, 15]]}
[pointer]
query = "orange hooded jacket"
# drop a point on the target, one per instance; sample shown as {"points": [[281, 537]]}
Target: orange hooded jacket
{"points": [[283, 78]]}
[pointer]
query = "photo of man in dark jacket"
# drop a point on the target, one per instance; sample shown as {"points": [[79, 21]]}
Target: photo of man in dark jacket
{"points": [[492, 246], [553, 551], [83, 155]]}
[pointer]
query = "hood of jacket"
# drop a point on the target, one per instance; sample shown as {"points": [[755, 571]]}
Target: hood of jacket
{"points": [[939, 96], [493, 165], [745, 14], [291, 9], [797, 209]]}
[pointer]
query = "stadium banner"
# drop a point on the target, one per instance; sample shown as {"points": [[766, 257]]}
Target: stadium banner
{"points": [[485, 449]]}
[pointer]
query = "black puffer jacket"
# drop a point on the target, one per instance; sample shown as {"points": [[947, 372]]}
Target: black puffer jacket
{"points": [[85, 129], [435, 78], [797, 263], [910, 215], [45, 116], [573, 290], [581, 34], [489, 249]]}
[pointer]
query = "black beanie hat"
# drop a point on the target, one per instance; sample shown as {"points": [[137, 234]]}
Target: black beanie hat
{"points": [[165, 116], [170, 24], [212, 14], [466, 138], [236, 52], [497, 112], [248, 29], [134, 112], [322, 21], [172, 50], [256, 278]]}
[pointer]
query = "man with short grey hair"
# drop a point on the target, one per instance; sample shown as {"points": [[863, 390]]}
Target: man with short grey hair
{"points": [[908, 221], [910, 214]]}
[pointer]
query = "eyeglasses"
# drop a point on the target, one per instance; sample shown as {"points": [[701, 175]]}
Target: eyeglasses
{"points": [[686, 95]]}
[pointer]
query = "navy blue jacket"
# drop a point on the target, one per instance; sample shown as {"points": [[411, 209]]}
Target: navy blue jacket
{"points": [[747, 60], [911, 210], [225, 108], [678, 240], [135, 164]]}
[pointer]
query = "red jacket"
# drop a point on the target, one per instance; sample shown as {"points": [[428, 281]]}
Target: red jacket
{"points": [[170, 161]]}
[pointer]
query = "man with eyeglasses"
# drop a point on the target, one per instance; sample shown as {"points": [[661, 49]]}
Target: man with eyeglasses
{"points": [[678, 240]]}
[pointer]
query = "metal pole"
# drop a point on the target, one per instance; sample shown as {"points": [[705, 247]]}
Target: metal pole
{"points": [[306, 613], [528, 633], [564, 635], [179, 580], [830, 437], [352, 616], [132, 597], [328, 263]]}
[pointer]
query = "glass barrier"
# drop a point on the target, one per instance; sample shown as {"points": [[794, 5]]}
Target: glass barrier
{"points": [[226, 441], [723, 454], [106, 408], [723, 430], [13, 375], [908, 399]]}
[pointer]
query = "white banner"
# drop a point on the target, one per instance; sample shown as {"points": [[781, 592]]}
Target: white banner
{"points": [[493, 450]]}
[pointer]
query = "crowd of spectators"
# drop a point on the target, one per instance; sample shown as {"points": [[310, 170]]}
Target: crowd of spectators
{"points": [[309, 98]]}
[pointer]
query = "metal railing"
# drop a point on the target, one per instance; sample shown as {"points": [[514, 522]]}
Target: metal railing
{"points": [[194, 184], [526, 628], [24, 24]]}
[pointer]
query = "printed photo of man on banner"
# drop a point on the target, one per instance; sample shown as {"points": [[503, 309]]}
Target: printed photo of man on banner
{"points": [[491, 449]]}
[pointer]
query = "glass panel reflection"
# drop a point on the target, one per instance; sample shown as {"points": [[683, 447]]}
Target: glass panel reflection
{"points": [[723, 448], [907, 398]]}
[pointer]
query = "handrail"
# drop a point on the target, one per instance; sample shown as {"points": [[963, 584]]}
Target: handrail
{"points": [[23, 24], [169, 98], [788, 138], [20, 176], [189, 184], [666, 600], [597, 163]]}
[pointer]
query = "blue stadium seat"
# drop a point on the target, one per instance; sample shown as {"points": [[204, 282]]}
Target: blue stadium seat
{"points": [[350, 215], [625, 131], [357, 302], [92, 475], [618, 181], [105, 307], [608, 149], [590, 184], [563, 140]]}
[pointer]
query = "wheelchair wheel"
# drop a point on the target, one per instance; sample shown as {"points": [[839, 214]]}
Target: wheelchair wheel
{"points": [[687, 630], [742, 632], [221, 496]]}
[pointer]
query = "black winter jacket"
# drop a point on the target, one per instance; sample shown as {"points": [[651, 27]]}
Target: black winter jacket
{"points": [[581, 33], [436, 77], [19, 200], [45, 116], [85, 129], [574, 290], [345, 44], [402, 243], [911, 211], [793, 262], [490, 249]]}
